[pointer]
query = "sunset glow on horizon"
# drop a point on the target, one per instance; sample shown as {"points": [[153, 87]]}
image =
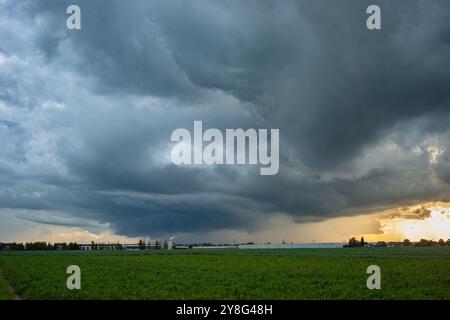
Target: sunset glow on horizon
{"points": [[429, 221]]}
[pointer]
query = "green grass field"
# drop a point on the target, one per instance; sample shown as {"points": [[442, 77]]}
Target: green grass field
{"points": [[4, 292], [406, 273]]}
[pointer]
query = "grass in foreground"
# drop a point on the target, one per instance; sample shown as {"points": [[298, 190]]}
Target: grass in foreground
{"points": [[4, 292], [407, 273]]}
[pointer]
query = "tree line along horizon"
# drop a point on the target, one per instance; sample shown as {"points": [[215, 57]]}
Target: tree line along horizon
{"points": [[353, 242], [141, 245], [43, 245]]}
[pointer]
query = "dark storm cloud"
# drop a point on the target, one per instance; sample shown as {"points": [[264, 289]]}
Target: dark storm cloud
{"points": [[312, 62], [88, 114]]}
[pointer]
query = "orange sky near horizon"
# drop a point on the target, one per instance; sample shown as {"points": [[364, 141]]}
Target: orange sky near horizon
{"points": [[435, 224], [427, 220]]}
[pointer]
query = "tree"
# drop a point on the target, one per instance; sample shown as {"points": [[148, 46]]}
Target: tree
{"points": [[73, 246], [406, 243], [362, 242], [441, 243], [141, 245], [157, 245], [13, 246], [448, 242], [353, 243], [423, 243]]}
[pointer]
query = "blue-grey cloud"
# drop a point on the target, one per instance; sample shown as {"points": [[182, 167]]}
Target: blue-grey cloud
{"points": [[86, 116]]}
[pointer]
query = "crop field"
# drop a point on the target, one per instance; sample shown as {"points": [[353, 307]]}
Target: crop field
{"points": [[406, 273], [4, 292]]}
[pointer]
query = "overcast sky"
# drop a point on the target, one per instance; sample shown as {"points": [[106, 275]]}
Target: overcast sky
{"points": [[86, 116]]}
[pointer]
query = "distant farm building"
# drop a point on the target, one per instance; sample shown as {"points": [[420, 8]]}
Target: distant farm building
{"points": [[101, 246]]}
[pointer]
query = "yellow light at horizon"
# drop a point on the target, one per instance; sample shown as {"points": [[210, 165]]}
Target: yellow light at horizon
{"points": [[435, 226]]}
